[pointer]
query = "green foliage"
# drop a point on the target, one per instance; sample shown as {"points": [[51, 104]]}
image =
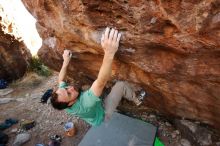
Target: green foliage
{"points": [[37, 66]]}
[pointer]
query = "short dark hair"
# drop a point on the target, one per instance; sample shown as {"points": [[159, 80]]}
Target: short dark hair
{"points": [[57, 104]]}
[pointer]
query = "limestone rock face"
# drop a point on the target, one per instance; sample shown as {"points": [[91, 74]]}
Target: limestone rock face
{"points": [[171, 48], [14, 57]]}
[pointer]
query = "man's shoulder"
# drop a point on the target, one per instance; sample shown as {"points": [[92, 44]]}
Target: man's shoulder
{"points": [[88, 95], [89, 92]]}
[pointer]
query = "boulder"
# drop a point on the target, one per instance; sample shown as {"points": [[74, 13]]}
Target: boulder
{"points": [[14, 57], [170, 48]]}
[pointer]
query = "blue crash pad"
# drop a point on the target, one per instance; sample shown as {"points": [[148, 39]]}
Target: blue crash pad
{"points": [[121, 130]]}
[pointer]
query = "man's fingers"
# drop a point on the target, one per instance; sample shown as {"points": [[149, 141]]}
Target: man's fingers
{"points": [[115, 36], [111, 37], [119, 37], [106, 33], [102, 39], [111, 34], [67, 53]]}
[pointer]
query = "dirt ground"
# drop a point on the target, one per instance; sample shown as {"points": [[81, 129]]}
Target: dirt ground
{"points": [[28, 92], [26, 105]]}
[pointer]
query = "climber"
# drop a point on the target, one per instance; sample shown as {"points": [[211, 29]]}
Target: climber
{"points": [[87, 105]]}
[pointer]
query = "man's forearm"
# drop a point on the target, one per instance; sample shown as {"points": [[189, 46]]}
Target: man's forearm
{"points": [[66, 59], [106, 69], [62, 73]]}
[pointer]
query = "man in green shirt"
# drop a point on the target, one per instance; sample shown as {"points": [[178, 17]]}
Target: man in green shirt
{"points": [[87, 105]]}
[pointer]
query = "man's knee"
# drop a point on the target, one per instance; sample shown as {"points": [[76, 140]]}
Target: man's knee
{"points": [[120, 83]]}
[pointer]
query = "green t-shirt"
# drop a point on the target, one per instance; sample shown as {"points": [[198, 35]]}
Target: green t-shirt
{"points": [[88, 107], [63, 85]]}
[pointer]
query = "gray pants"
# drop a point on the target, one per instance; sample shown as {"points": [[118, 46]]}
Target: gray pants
{"points": [[119, 90]]}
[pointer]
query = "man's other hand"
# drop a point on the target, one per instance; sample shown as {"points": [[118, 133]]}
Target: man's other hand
{"points": [[66, 57], [110, 41]]}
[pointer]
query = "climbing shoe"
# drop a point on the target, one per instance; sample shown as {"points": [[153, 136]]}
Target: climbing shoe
{"points": [[27, 124], [46, 96], [8, 123], [140, 95], [56, 138]]}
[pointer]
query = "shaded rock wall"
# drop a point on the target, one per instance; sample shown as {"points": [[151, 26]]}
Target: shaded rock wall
{"points": [[14, 57], [171, 48]]}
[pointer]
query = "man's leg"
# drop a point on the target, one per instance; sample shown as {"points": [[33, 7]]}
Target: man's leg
{"points": [[119, 90]]}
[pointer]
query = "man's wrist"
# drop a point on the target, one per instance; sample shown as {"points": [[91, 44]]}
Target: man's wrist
{"points": [[109, 56], [65, 64]]}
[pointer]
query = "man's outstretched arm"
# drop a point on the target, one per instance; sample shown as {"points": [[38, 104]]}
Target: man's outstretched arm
{"points": [[110, 42], [66, 59]]}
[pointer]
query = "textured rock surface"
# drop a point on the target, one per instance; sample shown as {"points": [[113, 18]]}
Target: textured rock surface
{"points": [[171, 48], [195, 133], [14, 57]]}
